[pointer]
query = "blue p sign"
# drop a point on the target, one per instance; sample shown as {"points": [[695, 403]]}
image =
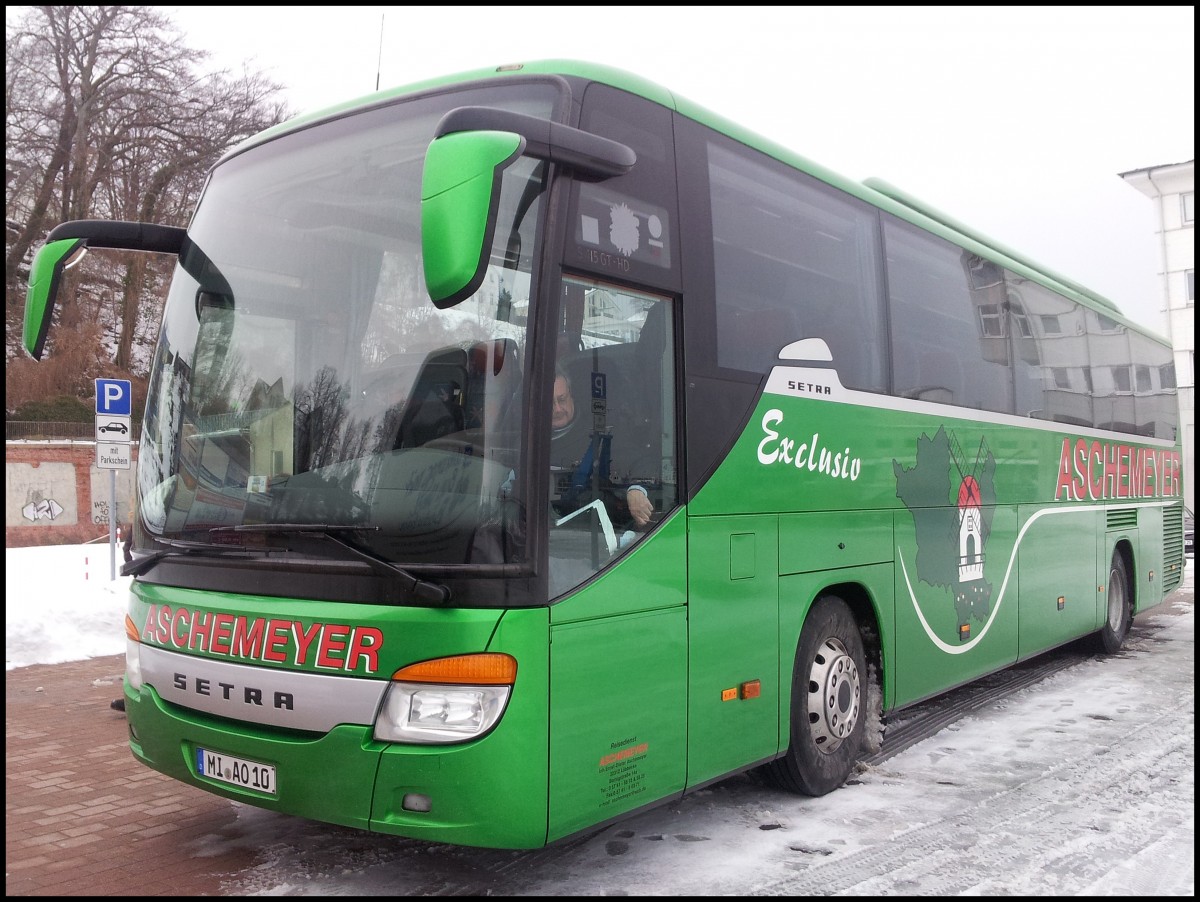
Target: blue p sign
{"points": [[114, 397]]}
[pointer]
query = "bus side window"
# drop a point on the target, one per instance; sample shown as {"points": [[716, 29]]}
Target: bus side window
{"points": [[939, 373], [792, 259], [648, 425], [623, 389], [760, 333]]}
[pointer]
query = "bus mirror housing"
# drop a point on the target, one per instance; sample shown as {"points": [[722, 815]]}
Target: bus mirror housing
{"points": [[45, 276], [65, 246], [460, 186], [460, 197]]}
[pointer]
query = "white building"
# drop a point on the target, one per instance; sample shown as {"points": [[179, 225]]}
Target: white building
{"points": [[1172, 187]]}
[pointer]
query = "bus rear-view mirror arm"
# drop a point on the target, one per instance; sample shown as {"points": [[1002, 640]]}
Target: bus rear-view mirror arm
{"points": [[582, 151], [460, 186]]}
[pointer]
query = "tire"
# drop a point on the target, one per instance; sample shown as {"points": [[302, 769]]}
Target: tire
{"points": [[829, 703], [1119, 613]]}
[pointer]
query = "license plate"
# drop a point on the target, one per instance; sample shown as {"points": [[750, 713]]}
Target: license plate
{"points": [[235, 771]]}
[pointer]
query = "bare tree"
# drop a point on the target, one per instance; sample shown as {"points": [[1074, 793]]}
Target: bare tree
{"points": [[109, 115]]}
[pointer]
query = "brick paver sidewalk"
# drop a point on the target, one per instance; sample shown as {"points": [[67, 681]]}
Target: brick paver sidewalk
{"points": [[82, 816]]}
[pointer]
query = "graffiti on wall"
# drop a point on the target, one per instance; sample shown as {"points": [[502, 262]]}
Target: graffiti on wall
{"points": [[73, 495], [46, 509], [42, 495], [103, 492]]}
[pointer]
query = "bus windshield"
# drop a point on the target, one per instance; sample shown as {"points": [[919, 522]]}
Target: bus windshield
{"points": [[304, 379]]}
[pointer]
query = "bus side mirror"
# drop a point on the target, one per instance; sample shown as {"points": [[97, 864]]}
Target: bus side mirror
{"points": [[460, 197], [460, 186], [45, 276], [65, 246]]}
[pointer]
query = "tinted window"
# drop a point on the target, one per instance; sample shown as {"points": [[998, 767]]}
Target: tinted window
{"points": [[1155, 402], [949, 331], [1112, 379], [1050, 366], [792, 260]]}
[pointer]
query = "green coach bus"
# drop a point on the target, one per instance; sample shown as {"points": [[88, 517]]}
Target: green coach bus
{"points": [[528, 448]]}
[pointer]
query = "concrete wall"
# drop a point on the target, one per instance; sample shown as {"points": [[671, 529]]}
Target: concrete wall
{"points": [[56, 495]]}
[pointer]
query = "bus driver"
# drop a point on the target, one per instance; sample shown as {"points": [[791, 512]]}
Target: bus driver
{"points": [[577, 479]]}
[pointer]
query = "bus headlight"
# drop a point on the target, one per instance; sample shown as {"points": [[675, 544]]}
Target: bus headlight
{"points": [[447, 699], [413, 712], [133, 655]]}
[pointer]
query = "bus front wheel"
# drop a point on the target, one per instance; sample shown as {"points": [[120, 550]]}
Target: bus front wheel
{"points": [[1119, 614], [829, 703]]}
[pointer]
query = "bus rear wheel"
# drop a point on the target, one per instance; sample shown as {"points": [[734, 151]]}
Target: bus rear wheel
{"points": [[1119, 614], [829, 703]]}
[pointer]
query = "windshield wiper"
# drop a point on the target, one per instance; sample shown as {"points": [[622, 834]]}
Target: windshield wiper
{"points": [[140, 565], [422, 588]]}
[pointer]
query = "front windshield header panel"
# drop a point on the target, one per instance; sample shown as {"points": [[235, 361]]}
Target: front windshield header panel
{"points": [[303, 378]]}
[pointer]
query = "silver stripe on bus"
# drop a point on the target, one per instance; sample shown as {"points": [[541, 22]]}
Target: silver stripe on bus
{"points": [[295, 700]]}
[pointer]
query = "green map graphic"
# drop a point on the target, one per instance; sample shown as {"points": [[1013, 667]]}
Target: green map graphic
{"points": [[930, 491]]}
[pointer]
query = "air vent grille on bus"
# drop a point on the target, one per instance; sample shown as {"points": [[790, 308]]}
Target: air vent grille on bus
{"points": [[1172, 547], [1123, 519]]}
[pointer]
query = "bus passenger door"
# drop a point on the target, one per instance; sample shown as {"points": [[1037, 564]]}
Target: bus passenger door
{"points": [[733, 640], [618, 640]]}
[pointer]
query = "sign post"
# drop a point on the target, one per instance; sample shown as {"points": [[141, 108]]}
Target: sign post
{"points": [[114, 422]]}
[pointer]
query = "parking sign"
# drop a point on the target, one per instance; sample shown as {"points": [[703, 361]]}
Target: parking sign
{"points": [[113, 397], [113, 424]]}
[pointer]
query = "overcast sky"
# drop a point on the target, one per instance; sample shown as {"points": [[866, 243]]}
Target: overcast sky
{"points": [[1015, 120]]}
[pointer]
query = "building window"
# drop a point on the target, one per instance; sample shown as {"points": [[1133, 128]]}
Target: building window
{"points": [[990, 321], [1189, 207], [1062, 376], [1020, 319], [1050, 324], [1144, 382], [1189, 279], [1120, 378]]}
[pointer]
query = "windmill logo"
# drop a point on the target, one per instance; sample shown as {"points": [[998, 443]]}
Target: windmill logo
{"points": [[970, 531], [952, 500]]}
